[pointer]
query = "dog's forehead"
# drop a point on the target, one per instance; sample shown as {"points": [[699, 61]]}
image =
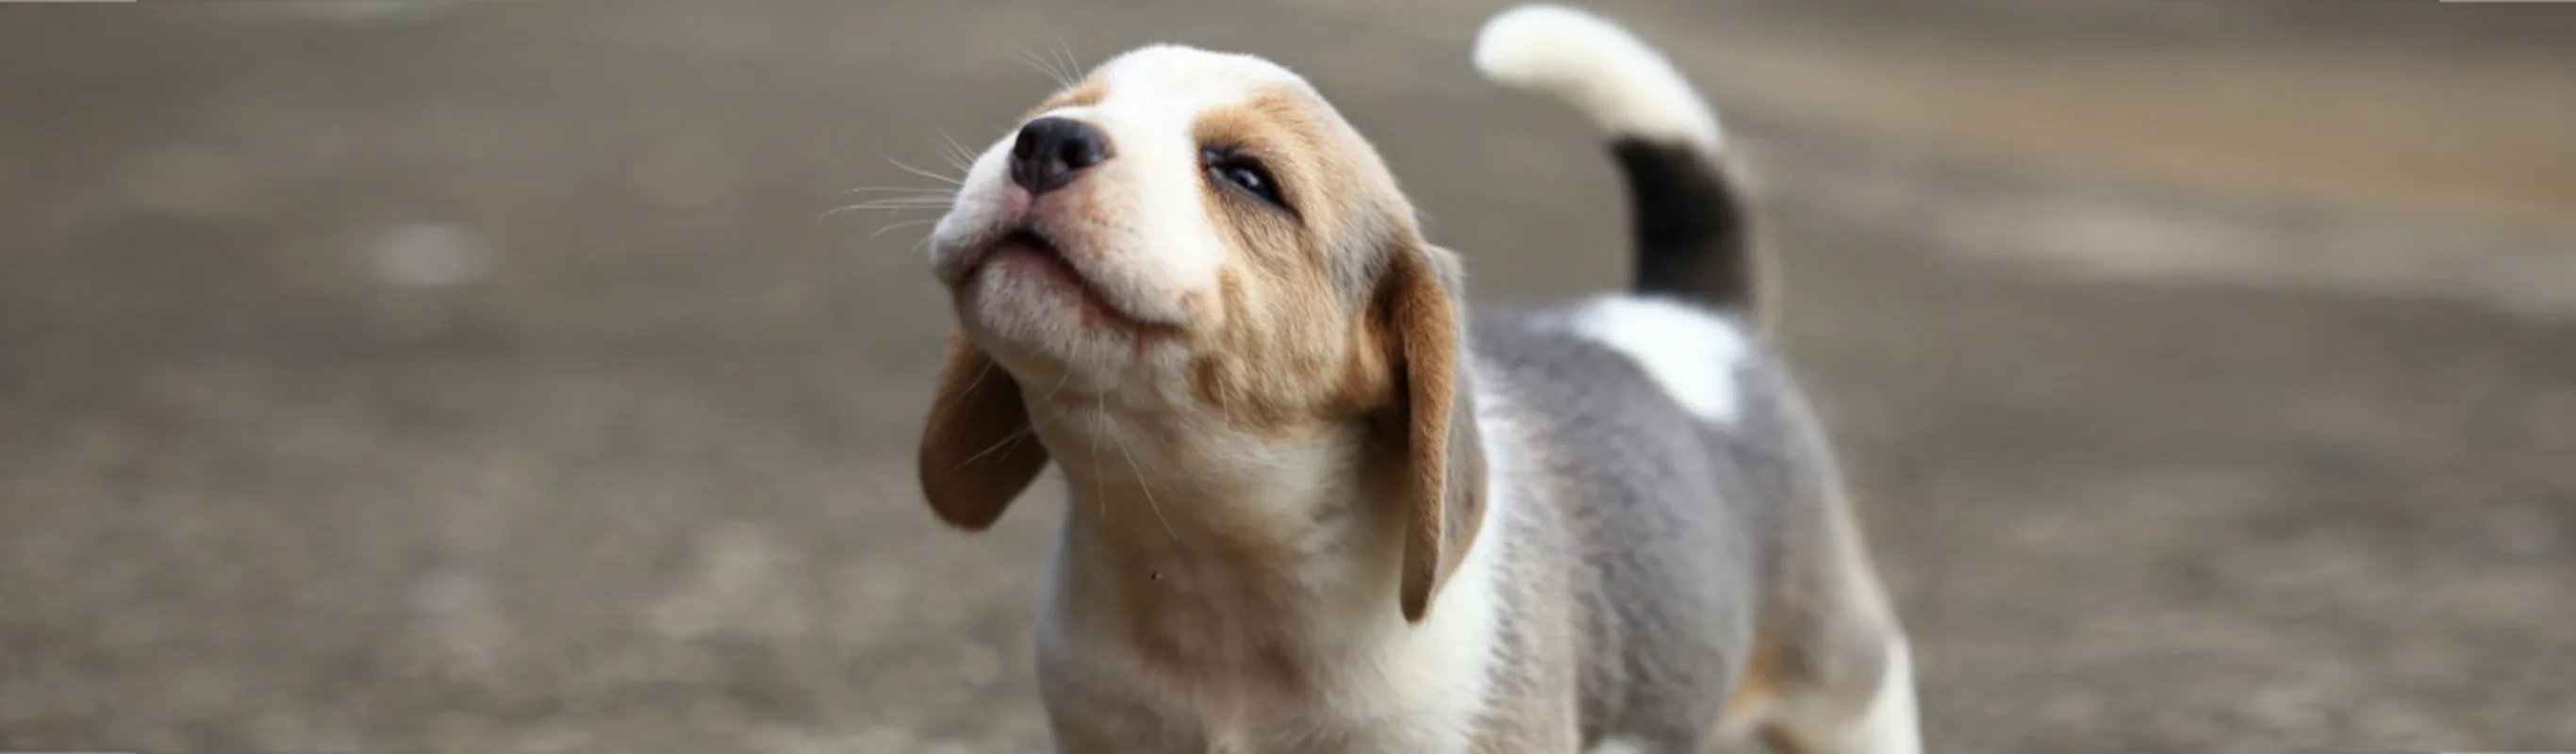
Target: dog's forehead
{"points": [[1192, 80]]}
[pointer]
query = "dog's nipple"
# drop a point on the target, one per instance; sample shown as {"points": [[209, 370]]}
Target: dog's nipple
{"points": [[1156, 575]]}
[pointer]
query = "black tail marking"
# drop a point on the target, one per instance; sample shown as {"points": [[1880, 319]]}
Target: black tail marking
{"points": [[1692, 234]]}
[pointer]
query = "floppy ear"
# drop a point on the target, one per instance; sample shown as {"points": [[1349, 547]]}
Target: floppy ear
{"points": [[1443, 475], [977, 454]]}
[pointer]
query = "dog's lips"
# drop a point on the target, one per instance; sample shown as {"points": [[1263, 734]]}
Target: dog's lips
{"points": [[1042, 252], [1029, 243]]}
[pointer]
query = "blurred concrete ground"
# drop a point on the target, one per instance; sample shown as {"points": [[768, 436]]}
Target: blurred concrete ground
{"points": [[486, 378]]}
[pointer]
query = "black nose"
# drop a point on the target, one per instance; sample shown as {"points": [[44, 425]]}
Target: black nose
{"points": [[1051, 151]]}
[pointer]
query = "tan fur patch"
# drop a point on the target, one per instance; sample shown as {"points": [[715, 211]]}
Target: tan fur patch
{"points": [[1759, 688], [1443, 453], [1781, 741], [1300, 347], [1291, 355], [976, 451]]}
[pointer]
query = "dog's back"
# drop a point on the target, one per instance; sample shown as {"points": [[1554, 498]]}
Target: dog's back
{"points": [[1690, 508]]}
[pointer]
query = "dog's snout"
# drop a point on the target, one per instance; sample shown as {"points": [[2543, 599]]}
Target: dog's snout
{"points": [[1052, 151]]}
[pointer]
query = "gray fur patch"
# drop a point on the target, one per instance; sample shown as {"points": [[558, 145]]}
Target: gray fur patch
{"points": [[1671, 535]]}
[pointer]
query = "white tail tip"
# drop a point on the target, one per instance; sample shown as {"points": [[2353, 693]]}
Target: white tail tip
{"points": [[1601, 70]]}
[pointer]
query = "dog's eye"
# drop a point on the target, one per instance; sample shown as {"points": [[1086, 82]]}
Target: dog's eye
{"points": [[1243, 172]]}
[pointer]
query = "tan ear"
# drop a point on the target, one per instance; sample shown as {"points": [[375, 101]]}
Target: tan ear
{"points": [[1443, 480], [977, 453]]}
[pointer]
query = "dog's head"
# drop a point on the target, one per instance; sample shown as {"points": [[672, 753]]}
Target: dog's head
{"points": [[1196, 246]]}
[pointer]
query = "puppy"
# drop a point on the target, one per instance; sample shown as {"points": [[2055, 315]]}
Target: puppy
{"points": [[1315, 509]]}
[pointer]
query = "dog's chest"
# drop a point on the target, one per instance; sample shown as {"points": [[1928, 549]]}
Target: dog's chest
{"points": [[1427, 701], [1215, 675]]}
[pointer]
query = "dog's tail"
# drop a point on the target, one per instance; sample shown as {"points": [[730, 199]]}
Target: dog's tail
{"points": [[1685, 184]]}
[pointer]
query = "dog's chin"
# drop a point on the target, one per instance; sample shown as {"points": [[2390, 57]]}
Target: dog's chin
{"points": [[1023, 296]]}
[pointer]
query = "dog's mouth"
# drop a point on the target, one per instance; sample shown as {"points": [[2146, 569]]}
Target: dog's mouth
{"points": [[1028, 241], [1027, 245]]}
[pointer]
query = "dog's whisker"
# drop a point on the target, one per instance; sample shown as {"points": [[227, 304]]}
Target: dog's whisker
{"points": [[901, 203], [1099, 484], [886, 208], [898, 207], [912, 224], [950, 180], [1067, 379], [926, 190], [1060, 382], [987, 371], [1033, 65], [1148, 490], [1032, 59], [953, 142], [959, 155], [838, 211], [1063, 76], [907, 202], [1006, 441], [980, 374], [1072, 62]]}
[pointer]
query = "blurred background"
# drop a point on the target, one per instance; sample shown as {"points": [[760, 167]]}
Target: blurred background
{"points": [[489, 377]]}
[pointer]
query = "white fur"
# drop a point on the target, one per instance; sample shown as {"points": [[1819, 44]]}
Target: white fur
{"points": [[1692, 354], [1617, 746], [1888, 726], [1443, 667], [1598, 68], [1891, 726]]}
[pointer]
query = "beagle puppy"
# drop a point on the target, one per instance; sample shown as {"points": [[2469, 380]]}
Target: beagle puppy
{"points": [[1314, 507]]}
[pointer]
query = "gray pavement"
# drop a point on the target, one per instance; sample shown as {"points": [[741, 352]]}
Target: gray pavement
{"points": [[488, 377]]}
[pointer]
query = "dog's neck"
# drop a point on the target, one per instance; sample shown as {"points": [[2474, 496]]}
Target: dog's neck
{"points": [[1205, 547]]}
